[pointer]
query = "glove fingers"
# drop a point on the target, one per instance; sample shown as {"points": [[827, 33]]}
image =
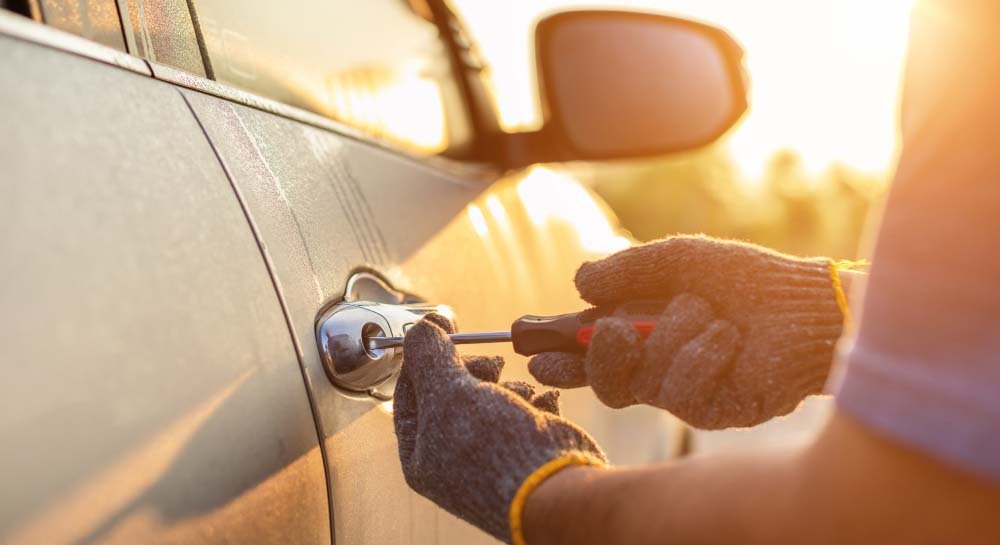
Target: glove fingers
{"points": [[613, 357], [484, 368], [547, 401], [404, 418], [443, 322], [683, 319], [558, 369], [430, 359], [735, 409], [640, 272], [524, 390], [691, 385]]}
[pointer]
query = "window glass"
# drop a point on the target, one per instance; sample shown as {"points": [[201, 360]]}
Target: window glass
{"points": [[163, 31], [378, 65], [95, 20]]}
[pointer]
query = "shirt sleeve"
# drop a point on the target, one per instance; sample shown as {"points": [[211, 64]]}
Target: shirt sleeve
{"points": [[923, 364]]}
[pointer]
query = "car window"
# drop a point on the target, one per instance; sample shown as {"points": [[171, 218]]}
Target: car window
{"points": [[95, 20], [161, 31], [378, 65], [164, 32]]}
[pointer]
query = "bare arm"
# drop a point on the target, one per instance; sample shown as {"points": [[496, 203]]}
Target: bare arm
{"points": [[849, 486]]}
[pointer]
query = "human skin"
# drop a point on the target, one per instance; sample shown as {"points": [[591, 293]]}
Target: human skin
{"points": [[847, 486]]}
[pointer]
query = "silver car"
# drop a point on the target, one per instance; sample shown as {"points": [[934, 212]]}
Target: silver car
{"points": [[207, 205]]}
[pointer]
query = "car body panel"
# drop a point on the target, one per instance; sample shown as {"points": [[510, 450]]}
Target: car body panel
{"points": [[316, 228], [285, 210], [326, 206], [152, 393]]}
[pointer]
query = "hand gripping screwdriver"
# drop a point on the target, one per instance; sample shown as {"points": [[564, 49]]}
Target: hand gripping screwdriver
{"points": [[532, 335]]}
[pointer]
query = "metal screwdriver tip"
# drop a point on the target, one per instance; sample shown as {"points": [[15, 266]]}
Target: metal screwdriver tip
{"points": [[381, 343]]}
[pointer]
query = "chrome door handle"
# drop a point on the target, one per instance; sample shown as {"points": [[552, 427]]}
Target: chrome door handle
{"points": [[342, 334]]}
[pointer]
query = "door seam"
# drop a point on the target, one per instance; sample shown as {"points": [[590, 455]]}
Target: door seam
{"points": [[276, 284]]}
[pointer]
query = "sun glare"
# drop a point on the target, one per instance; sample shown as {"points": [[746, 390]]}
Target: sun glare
{"points": [[825, 74], [548, 195]]}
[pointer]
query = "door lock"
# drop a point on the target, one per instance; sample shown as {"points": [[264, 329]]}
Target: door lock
{"points": [[342, 334]]}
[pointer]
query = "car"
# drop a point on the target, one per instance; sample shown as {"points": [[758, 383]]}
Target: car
{"points": [[193, 189]]}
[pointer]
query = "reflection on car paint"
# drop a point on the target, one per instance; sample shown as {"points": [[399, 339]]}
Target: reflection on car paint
{"points": [[549, 195], [119, 503]]}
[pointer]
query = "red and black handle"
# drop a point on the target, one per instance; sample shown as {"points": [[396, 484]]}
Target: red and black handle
{"points": [[572, 332]]}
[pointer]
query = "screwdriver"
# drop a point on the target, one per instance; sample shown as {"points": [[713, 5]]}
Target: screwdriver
{"points": [[532, 335]]}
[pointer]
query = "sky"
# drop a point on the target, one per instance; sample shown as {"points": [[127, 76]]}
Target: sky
{"points": [[824, 73]]}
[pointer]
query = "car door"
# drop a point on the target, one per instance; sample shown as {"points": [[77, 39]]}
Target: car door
{"points": [[324, 197], [151, 392], [364, 183], [346, 191]]}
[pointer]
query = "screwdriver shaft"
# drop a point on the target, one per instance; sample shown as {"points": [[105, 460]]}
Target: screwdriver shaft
{"points": [[378, 343]]}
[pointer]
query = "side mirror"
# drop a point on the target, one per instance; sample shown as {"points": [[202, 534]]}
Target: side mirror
{"points": [[618, 84]]}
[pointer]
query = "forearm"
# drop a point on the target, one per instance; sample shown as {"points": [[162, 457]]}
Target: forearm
{"points": [[691, 501], [848, 487]]}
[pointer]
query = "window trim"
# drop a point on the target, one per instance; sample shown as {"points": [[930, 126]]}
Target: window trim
{"points": [[463, 172], [469, 172], [19, 27], [487, 134]]}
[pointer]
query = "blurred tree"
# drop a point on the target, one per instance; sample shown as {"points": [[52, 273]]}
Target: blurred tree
{"points": [[654, 198], [788, 209]]}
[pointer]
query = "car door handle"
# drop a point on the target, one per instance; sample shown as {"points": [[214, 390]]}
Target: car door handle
{"points": [[342, 334]]}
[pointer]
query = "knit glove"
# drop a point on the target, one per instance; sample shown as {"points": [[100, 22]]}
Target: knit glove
{"points": [[748, 332], [472, 446]]}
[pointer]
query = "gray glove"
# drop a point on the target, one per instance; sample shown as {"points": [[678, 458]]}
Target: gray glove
{"points": [[469, 444], [747, 335]]}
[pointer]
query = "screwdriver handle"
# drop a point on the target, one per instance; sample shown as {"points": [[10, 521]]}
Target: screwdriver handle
{"points": [[564, 333], [586, 333]]}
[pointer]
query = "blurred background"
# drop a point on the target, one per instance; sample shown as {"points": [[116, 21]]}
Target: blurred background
{"points": [[802, 170]]}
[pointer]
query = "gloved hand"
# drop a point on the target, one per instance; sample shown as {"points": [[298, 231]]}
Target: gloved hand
{"points": [[747, 335], [470, 445]]}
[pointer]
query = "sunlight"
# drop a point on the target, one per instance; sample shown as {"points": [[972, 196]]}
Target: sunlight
{"points": [[71, 516], [825, 74], [831, 100], [496, 208], [403, 106], [548, 195], [478, 220]]}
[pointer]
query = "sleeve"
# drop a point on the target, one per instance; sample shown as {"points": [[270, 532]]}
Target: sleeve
{"points": [[923, 363]]}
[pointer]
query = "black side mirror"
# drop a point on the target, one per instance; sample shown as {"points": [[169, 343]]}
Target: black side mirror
{"points": [[617, 84]]}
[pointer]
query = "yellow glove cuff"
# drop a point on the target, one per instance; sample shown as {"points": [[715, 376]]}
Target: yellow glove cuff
{"points": [[529, 485], [838, 287], [838, 291]]}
